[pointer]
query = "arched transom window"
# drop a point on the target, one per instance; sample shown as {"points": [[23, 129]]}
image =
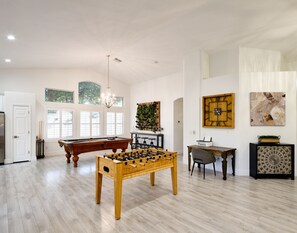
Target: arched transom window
{"points": [[89, 93]]}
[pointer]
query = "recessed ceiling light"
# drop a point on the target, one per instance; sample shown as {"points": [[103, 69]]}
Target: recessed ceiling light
{"points": [[7, 60], [10, 37]]}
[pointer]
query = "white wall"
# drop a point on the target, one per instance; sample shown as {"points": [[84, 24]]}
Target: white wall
{"points": [[259, 70], [18, 98], [259, 60], [36, 80], [268, 82], [233, 71], [192, 100], [166, 90], [1, 102], [224, 69]]}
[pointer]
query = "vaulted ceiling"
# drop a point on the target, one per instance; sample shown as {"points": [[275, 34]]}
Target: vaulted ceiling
{"points": [[149, 36]]}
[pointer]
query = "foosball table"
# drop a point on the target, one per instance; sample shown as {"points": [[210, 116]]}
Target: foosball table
{"points": [[125, 165]]}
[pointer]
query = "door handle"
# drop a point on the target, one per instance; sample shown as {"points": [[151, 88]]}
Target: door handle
{"points": [[15, 136]]}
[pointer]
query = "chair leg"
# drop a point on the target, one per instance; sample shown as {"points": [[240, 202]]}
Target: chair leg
{"points": [[204, 171], [193, 168], [214, 169]]}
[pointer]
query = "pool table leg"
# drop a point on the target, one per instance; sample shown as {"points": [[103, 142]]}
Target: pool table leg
{"points": [[68, 156], [114, 150], [75, 159]]}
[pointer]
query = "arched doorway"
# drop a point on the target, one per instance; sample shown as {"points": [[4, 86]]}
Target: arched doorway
{"points": [[178, 125]]}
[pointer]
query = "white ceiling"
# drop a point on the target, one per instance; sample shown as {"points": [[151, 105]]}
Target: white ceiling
{"points": [[80, 33]]}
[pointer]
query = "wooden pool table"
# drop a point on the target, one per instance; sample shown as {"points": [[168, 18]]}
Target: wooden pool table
{"points": [[74, 147]]}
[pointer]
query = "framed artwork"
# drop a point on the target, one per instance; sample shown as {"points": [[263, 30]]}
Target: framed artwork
{"points": [[268, 108], [218, 111], [148, 116]]}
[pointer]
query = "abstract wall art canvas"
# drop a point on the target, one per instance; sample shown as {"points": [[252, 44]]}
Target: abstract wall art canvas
{"points": [[268, 108]]}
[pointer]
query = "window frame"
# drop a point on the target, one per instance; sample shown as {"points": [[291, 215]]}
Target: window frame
{"points": [[55, 102], [91, 123], [88, 104], [123, 123], [60, 123], [122, 102]]}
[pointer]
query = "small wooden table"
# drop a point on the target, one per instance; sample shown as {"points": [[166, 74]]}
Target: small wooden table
{"points": [[224, 152]]}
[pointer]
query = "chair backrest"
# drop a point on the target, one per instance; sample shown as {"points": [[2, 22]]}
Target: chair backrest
{"points": [[202, 156]]}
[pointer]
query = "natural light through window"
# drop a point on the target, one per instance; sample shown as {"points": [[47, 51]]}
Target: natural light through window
{"points": [[89, 124], [114, 123]]}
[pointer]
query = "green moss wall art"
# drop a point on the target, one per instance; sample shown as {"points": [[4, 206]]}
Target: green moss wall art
{"points": [[148, 116]]}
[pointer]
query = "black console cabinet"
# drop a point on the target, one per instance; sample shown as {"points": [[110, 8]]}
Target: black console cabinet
{"points": [[272, 160], [39, 148], [146, 140]]}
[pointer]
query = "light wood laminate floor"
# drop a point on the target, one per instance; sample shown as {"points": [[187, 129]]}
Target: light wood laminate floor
{"points": [[51, 196]]}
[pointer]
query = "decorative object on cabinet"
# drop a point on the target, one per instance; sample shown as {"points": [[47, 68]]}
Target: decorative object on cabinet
{"points": [[218, 111], [146, 140], [271, 160], [268, 108], [148, 116], [268, 139]]}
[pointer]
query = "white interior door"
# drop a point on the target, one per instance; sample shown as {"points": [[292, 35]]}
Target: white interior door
{"points": [[22, 133]]}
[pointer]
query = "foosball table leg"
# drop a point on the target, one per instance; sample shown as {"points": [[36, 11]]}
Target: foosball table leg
{"points": [[174, 176], [98, 182], [152, 178], [118, 181]]}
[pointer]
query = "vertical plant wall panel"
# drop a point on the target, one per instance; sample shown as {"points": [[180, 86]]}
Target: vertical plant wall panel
{"points": [[148, 116]]}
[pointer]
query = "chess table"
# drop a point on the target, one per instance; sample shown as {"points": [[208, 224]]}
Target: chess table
{"points": [[126, 165]]}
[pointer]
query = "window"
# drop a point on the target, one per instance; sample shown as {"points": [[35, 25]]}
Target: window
{"points": [[59, 124], [59, 96], [89, 124], [119, 102], [114, 123], [89, 93]]}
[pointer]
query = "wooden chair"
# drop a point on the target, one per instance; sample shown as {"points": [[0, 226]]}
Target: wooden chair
{"points": [[202, 157]]}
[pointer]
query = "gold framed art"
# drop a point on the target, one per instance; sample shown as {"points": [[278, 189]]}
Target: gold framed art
{"points": [[218, 111]]}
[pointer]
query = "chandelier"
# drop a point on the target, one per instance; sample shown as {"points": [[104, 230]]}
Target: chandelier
{"points": [[108, 99]]}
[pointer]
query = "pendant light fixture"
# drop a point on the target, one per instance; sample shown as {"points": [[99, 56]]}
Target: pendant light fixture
{"points": [[108, 99]]}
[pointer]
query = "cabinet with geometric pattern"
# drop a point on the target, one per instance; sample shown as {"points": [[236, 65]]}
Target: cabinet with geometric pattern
{"points": [[271, 160]]}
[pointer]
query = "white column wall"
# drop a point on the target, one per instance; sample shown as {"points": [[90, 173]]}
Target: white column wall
{"points": [[166, 90], [192, 100], [223, 79]]}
